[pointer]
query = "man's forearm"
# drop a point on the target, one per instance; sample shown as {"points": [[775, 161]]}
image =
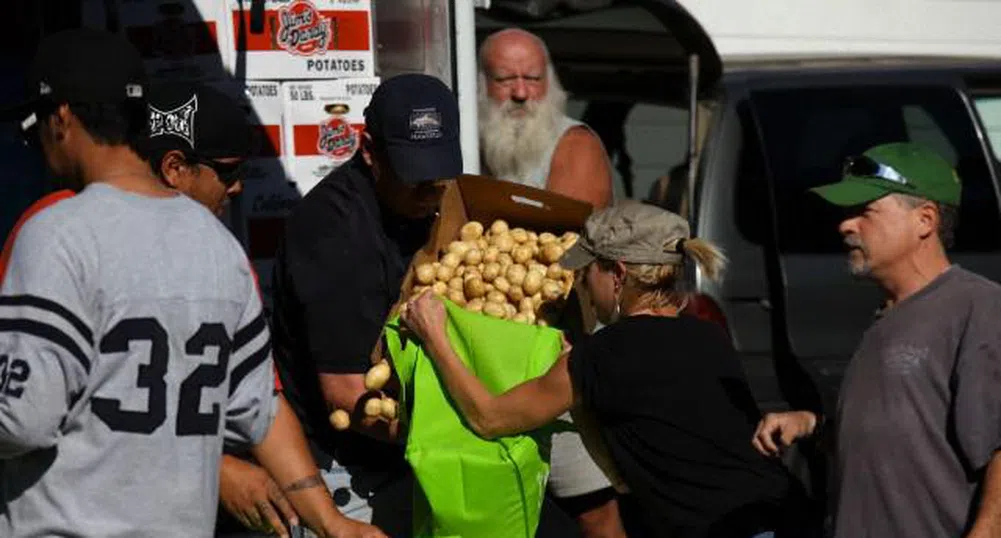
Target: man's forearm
{"points": [[988, 522], [285, 454]]}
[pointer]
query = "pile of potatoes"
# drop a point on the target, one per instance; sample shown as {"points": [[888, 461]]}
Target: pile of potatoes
{"points": [[503, 272]]}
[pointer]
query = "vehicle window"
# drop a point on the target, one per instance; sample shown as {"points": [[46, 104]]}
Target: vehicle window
{"points": [[808, 133], [644, 140], [989, 109]]}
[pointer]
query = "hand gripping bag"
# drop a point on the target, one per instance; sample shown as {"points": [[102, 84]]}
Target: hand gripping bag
{"points": [[468, 486]]}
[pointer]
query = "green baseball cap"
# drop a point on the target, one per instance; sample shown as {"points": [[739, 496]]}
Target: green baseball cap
{"points": [[901, 167], [631, 232]]}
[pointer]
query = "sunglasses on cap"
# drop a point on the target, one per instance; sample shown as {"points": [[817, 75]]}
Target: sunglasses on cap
{"points": [[862, 166], [229, 173]]}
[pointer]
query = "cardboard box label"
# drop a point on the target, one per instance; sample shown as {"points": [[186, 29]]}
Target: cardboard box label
{"points": [[178, 39], [305, 39], [324, 122]]}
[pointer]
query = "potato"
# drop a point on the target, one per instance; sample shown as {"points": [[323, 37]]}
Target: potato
{"points": [[496, 297], [521, 317], [461, 270], [456, 297], [472, 272], [451, 259], [521, 254], [503, 242], [526, 305], [535, 249], [533, 237], [491, 271], [510, 311], [537, 267], [373, 407], [504, 259], [445, 273], [551, 253], [440, 288], [520, 235], [473, 256], [501, 284], [515, 294], [541, 322], [537, 300], [420, 289], [475, 305], [455, 283], [482, 244], [378, 375], [488, 287], [546, 238], [459, 248], [389, 408], [533, 282], [340, 420], [499, 227], [471, 231], [494, 310], [474, 288], [490, 254], [551, 290], [555, 271], [425, 273], [516, 274]]}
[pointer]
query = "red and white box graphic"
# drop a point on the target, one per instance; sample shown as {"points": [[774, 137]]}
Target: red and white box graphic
{"points": [[324, 122], [178, 39], [304, 39]]}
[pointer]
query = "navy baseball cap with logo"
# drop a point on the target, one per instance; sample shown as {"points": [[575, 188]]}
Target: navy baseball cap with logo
{"points": [[81, 66], [415, 119]]}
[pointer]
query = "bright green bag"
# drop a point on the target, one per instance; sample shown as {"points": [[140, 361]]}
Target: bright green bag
{"points": [[468, 486]]}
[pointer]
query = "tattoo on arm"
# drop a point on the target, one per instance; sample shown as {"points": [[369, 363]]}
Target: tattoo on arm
{"points": [[306, 483]]}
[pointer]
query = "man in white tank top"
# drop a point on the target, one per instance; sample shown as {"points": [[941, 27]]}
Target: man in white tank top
{"points": [[525, 135], [527, 138]]}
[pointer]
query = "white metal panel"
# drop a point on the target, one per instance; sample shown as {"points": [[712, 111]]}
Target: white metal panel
{"points": [[851, 27]]}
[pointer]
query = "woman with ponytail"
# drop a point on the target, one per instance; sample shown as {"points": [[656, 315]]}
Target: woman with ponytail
{"points": [[660, 397]]}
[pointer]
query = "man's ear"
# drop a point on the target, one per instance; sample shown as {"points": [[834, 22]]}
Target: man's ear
{"points": [[367, 149], [173, 168], [59, 122], [619, 272], [928, 220]]}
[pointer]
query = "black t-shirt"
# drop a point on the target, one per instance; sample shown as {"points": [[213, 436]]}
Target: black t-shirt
{"points": [[677, 417], [337, 273]]}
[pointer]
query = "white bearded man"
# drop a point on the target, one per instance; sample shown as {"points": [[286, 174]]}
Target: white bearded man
{"points": [[527, 138], [525, 135]]}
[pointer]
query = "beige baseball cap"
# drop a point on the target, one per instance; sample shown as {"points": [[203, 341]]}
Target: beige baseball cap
{"points": [[630, 232]]}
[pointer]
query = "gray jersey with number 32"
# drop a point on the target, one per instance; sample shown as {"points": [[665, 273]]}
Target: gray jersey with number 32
{"points": [[132, 346]]}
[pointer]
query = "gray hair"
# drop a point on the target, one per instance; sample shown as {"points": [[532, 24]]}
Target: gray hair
{"points": [[948, 216]]}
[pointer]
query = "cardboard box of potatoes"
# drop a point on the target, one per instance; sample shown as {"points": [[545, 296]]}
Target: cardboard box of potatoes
{"points": [[493, 249]]}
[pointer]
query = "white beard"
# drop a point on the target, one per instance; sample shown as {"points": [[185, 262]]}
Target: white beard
{"points": [[514, 146]]}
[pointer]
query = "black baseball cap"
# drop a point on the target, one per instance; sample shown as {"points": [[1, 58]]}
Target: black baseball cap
{"points": [[197, 119], [415, 117], [82, 65]]}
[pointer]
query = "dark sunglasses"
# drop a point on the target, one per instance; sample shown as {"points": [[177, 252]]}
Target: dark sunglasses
{"points": [[229, 173], [862, 166]]}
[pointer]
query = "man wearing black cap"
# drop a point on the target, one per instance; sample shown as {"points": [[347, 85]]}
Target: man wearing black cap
{"points": [[338, 272], [128, 356], [199, 141]]}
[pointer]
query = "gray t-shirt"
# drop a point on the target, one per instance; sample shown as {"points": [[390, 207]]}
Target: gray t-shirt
{"points": [[919, 415], [132, 343]]}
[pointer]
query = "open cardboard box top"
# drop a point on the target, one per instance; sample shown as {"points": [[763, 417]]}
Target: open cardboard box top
{"points": [[485, 199]]}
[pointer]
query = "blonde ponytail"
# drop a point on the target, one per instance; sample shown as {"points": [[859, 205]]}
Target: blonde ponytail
{"points": [[707, 256]]}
